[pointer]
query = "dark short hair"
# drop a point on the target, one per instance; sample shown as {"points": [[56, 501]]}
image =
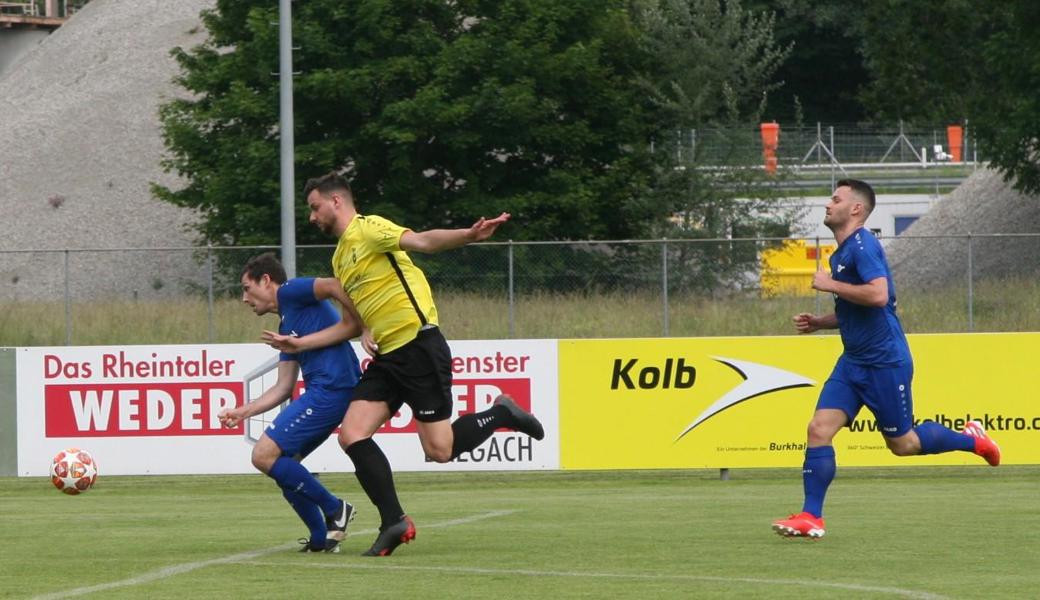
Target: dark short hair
{"points": [[862, 189], [265, 264], [326, 184]]}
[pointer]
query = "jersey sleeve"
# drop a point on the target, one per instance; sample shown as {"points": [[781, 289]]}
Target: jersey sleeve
{"points": [[293, 296], [870, 261], [382, 235], [297, 293]]}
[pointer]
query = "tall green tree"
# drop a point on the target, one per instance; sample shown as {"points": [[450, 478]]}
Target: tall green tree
{"points": [[714, 67], [951, 60], [438, 112], [1007, 118], [713, 59], [822, 77], [923, 57]]}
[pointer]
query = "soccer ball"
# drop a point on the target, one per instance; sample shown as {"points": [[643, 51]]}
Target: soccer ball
{"points": [[73, 471]]}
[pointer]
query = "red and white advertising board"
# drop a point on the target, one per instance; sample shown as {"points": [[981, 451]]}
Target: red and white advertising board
{"points": [[153, 409]]}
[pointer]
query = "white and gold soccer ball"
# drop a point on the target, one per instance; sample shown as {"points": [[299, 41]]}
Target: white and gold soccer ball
{"points": [[73, 471]]}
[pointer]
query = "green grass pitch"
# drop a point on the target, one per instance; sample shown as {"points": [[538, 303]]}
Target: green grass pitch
{"points": [[940, 532]]}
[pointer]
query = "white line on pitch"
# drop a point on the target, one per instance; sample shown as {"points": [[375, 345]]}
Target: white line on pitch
{"points": [[242, 557], [852, 587]]}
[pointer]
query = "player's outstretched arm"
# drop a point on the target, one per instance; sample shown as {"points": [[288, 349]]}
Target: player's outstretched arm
{"points": [[436, 240], [288, 372]]}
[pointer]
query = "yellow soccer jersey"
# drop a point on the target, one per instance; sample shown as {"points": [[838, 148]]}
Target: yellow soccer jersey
{"points": [[362, 263]]}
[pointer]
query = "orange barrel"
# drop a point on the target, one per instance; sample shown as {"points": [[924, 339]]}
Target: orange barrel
{"points": [[955, 138], [770, 140]]}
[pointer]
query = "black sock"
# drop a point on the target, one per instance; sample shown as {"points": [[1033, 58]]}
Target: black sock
{"points": [[373, 473], [474, 429]]}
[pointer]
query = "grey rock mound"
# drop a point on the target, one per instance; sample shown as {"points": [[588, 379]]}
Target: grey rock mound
{"points": [[936, 249], [79, 146]]}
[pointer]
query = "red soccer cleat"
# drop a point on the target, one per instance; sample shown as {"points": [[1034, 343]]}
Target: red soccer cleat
{"points": [[391, 537], [800, 525], [984, 445]]}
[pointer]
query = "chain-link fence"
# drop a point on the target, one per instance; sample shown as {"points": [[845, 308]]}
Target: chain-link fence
{"points": [[822, 144], [644, 288]]}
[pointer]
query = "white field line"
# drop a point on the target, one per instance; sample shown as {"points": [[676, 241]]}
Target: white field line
{"points": [[240, 558], [807, 583]]}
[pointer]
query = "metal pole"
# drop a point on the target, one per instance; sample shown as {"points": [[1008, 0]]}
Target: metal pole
{"points": [[209, 289], [285, 128], [817, 294], [971, 290], [830, 128], [819, 140], [664, 281], [964, 142], [512, 319], [68, 304]]}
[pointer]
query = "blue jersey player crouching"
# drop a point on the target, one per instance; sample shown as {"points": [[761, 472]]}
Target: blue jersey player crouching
{"points": [[875, 370], [329, 376]]}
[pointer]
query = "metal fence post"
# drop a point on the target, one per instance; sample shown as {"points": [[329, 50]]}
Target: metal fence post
{"points": [[68, 304], [664, 281], [971, 290], [818, 260], [512, 320], [209, 289], [833, 158]]}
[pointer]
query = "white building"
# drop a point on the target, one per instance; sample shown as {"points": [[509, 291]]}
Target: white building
{"points": [[892, 214]]}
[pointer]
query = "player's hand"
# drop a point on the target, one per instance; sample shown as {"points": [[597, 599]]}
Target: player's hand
{"points": [[484, 228], [805, 323], [229, 418], [285, 343], [368, 342], [823, 281]]}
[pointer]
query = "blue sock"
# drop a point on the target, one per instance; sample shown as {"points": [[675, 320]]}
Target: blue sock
{"points": [[936, 439], [311, 516], [291, 475], [817, 474]]}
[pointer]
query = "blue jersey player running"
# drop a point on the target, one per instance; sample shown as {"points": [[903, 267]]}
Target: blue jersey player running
{"points": [[329, 376], [875, 370]]}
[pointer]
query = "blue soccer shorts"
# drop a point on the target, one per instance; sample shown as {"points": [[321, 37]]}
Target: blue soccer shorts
{"points": [[883, 390], [308, 421]]}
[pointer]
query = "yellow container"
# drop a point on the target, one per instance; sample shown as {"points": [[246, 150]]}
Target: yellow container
{"points": [[788, 270]]}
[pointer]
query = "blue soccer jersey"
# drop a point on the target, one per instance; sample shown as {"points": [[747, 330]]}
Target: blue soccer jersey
{"points": [[333, 368], [872, 335]]}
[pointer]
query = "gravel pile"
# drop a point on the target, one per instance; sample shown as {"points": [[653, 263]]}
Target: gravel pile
{"points": [[79, 145], [983, 204]]}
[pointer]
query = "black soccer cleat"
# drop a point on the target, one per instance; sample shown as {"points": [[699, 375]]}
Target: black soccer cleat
{"points": [[523, 421], [391, 537], [331, 546], [337, 523]]}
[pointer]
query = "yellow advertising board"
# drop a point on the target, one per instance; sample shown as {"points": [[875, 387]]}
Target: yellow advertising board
{"points": [[746, 402]]}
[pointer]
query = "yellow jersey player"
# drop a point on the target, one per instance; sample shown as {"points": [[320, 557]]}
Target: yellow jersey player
{"points": [[412, 361]]}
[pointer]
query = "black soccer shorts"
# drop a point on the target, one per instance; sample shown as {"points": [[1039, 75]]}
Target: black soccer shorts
{"points": [[417, 374]]}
